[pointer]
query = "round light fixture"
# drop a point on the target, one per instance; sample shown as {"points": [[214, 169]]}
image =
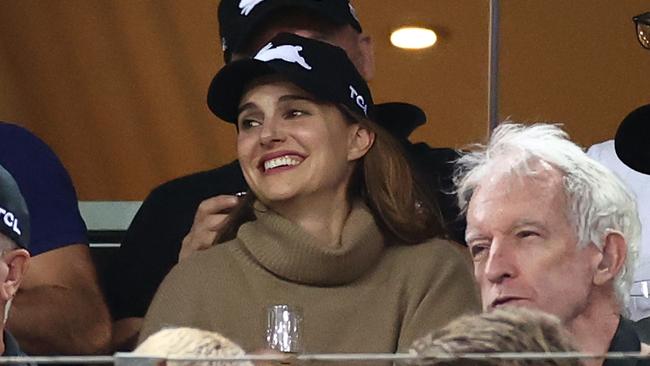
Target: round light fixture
{"points": [[413, 38]]}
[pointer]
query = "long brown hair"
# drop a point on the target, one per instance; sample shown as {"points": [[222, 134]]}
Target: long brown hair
{"points": [[402, 205], [404, 208]]}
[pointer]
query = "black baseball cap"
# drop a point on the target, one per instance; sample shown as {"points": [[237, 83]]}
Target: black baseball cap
{"points": [[14, 216], [238, 18], [632, 141], [399, 119], [317, 67]]}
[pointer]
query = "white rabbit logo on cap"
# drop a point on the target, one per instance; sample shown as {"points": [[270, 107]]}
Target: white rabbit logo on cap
{"points": [[247, 6], [285, 52]]}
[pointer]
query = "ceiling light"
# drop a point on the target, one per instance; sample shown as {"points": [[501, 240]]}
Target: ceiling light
{"points": [[413, 38]]}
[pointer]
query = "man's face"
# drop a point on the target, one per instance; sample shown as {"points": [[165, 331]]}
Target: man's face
{"points": [[357, 46], [525, 248]]}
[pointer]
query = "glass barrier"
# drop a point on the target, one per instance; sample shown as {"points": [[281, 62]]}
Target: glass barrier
{"points": [[130, 359]]}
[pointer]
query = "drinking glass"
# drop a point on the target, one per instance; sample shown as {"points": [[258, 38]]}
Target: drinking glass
{"points": [[284, 328]]}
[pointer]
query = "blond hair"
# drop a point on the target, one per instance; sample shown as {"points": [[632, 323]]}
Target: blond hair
{"points": [[184, 341], [514, 329]]}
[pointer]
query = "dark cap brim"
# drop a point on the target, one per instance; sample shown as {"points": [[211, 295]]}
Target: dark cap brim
{"points": [[228, 85], [399, 119]]}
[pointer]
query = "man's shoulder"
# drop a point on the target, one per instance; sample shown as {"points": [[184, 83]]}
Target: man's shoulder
{"points": [[21, 147], [21, 150], [642, 328], [604, 147], [46, 186], [10, 131], [12, 349], [605, 154], [629, 336], [11, 345]]}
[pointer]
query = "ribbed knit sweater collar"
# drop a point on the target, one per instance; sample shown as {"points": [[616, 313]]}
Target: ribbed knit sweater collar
{"points": [[289, 252]]}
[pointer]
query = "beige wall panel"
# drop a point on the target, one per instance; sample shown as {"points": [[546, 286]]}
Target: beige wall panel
{"points": [[117, 87], [577, 62], [449, 80]]}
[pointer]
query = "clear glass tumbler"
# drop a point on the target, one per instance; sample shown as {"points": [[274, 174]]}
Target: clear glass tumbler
{"points": [[284, 328]]}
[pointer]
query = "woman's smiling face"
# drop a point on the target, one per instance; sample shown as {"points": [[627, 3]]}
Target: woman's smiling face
{"points": [[291, 145]]}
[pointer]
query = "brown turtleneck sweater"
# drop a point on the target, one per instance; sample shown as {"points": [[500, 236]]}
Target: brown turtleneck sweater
{"points": [[362, 296]]}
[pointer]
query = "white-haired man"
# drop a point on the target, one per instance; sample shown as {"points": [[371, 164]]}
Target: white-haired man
{"points": [[14, 258], [551, 229]]}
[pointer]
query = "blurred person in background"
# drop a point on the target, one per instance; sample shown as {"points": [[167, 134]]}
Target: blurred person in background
{"points": [[59, 309], [190, 342], [628, 156], [509, 329]]}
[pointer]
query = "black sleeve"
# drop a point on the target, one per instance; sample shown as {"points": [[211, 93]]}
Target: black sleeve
{"points": [[153, 240], [149, 250], [443, 162], [436, 166]]}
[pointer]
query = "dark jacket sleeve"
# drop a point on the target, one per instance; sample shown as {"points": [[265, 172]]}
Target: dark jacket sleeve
{"points": [[153, 240]]}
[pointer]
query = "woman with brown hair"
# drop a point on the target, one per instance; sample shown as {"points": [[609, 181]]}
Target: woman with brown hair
{"points": [[334, 222]]}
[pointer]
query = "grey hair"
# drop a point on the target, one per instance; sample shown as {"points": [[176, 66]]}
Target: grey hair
{"points": [[598, 202]]}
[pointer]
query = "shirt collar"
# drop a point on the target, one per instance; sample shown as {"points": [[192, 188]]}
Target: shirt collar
{"points": [[625, 340]]}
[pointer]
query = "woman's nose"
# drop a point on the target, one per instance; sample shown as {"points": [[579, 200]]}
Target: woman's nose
{"points": [[272, 132]]}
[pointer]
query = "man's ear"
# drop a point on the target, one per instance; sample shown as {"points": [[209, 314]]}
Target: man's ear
{"points": [[17, 262], [360, 141], [368, 56], [614, 253]]}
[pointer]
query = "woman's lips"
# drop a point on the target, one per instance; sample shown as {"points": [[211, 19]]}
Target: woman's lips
{"points": [[280, 161]]}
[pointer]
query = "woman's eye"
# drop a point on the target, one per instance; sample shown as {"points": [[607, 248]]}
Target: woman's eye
{"points": [[248, 123], [294, 113]]}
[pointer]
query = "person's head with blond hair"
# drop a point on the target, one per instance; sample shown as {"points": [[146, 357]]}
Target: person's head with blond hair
{"points": [[509, 329], [190, 342]]}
